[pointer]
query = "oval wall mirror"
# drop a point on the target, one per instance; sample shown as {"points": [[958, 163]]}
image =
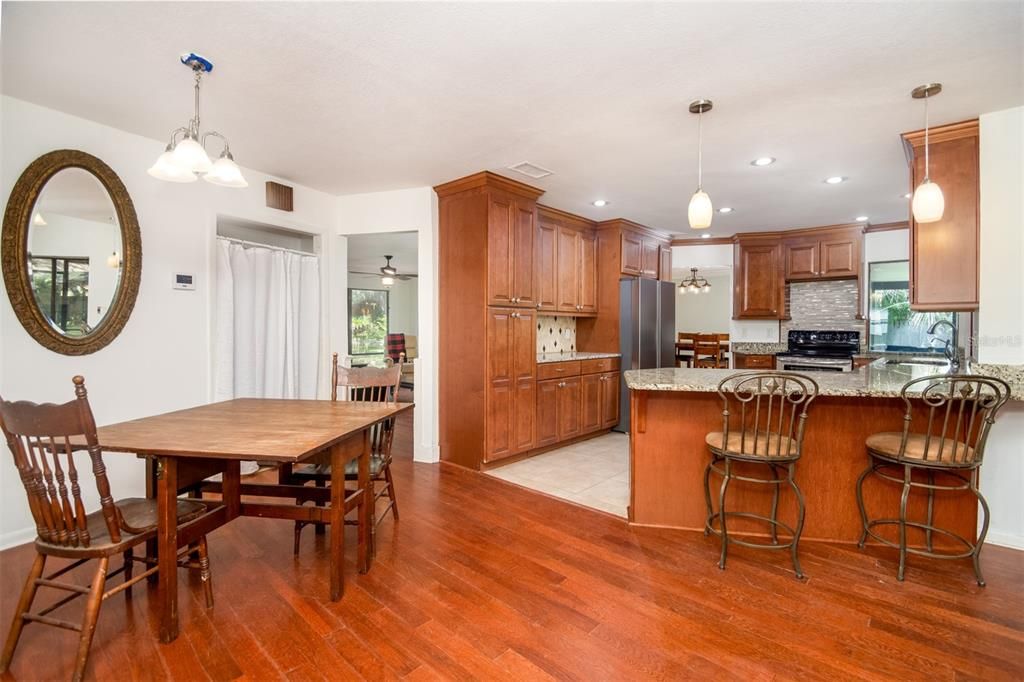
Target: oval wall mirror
{"points": [[71, 252]]}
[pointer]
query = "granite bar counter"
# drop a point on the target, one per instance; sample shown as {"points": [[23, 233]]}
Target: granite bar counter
{"points": [[672, 411], [543, 358]]}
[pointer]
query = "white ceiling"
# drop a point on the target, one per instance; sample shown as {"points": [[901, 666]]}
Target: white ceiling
{"points": [[356, 97], [366, 251]]}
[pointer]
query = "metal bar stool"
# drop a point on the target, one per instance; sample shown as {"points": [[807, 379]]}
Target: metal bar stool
{"points": [[961, 409], [770, 411]]}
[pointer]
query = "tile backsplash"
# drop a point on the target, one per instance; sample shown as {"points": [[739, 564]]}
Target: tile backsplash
{"points": [[823, 305], [556, 333]]}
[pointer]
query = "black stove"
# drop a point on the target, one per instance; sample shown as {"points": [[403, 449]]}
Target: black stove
{"points": [[819, 350]]}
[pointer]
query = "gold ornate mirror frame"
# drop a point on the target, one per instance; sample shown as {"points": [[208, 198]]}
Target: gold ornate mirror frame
{"points": [[14, 249]]}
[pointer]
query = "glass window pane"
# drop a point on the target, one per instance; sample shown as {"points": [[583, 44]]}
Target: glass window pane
{"points": [[893, 325], [368, 321]]}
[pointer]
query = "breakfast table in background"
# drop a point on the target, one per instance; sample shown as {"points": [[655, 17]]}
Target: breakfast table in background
{"points": [[183, 448]]}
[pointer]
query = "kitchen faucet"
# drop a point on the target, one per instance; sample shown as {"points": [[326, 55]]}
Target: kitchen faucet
{"points": [[951, 351]]}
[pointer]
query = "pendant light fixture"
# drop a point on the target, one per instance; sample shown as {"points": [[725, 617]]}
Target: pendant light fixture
{"points": [[694, 284], [928, 203], [185, 159], [700, 210]]}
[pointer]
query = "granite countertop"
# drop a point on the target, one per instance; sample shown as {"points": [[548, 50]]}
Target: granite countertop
{"points": [[757, 347], [877, 380], [543, 358]]}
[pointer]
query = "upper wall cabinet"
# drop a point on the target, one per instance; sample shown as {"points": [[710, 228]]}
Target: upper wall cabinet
{"points": [[641, 252], [665, 263], [566, 263], [759, 287], [944, 254], [827, 253], [511, 221]]}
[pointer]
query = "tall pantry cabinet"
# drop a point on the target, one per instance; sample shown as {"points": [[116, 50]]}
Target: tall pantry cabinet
{"points": [[487, 318]]}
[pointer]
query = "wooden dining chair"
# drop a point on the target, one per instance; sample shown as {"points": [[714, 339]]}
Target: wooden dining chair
{"points": [[723, 349], [39, 436], [684, 356], [706, 351], [366, 384]]}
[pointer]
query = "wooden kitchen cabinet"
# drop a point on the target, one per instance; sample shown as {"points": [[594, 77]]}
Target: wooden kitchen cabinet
{"points": [[547, 412], [831, 252], [511, 225], [609, 399], [511, 398], [591, 406], [753, 361], [569, 408], [944, 254], [631, 253], [650, 260], [759, 280], [665, 263], [588, 273], [546, 259], [568, 270]]}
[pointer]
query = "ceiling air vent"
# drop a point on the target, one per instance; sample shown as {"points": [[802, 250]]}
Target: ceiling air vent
{"points": [[531, 170]]}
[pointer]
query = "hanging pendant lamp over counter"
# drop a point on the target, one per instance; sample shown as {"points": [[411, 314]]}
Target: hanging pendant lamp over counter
{"points": [[700, 210], [185, 159], [928, 203]]}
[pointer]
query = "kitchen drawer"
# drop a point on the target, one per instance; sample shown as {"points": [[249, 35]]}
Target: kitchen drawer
{"points": [[558, 370], [744, 361], [599, 365]]}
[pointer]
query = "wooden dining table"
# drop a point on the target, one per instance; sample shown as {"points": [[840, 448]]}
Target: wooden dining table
{"points": [[184, 448]]}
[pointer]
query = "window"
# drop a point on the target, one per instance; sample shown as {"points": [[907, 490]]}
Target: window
{"points": [[367, 321], [61, 289], [893, 325]]}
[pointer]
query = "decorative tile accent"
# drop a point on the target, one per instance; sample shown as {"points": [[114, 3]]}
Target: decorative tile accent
{"points": [[556, 334], [824, 305]]}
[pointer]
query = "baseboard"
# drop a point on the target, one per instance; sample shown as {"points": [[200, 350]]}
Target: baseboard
{"points": [[1005, 540], [17, 537]]}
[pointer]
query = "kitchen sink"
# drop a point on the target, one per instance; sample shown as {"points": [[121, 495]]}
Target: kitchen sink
{"points": [[917, 361]]}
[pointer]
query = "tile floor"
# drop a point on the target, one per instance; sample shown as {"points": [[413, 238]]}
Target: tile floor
{"points": [[594, 473]]}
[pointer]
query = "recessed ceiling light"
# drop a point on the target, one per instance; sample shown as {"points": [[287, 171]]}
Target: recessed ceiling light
{"points": [[763, 161], [835, 180], [861, 219], [907, 195], [725, 209], [705, 236], [600, 202]]}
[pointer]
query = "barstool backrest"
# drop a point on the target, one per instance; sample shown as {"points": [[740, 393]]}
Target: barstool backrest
{"points": [[961, 410], [768, 411]]}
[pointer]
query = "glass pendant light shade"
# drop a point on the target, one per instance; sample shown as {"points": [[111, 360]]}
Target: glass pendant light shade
{"points": [[189, 154], [38, 220], [167, 168], [114, 260], [387, 281], [928, 203], [700, 211], [226, 173]]}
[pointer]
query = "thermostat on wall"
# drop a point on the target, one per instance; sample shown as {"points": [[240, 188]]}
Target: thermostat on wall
{"points": [[183, 281]]}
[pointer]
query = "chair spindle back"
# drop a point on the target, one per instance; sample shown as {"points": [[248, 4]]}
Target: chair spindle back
{"points": [[768, 409], [961, 410], [38, 435], [706, 348], [369, 384]]}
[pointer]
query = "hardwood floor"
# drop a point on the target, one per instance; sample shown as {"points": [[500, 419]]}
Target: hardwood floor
{"points": [[484, 580]]}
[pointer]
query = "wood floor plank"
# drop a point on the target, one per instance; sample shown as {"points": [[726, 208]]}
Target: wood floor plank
{"points": [[481, 580]]}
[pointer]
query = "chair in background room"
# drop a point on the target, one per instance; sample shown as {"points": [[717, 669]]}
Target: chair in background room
{"points": [[764, 419], [39, 436], [723, 349], [367, 384], [961, 409], [684, 356], [707, 352]]}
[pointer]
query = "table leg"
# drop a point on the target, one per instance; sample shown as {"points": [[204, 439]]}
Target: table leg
{"points": [[231, 492], [337, 523], [151, 469], [167, 546], [365, 506]]}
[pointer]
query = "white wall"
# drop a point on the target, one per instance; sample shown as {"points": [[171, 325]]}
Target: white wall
{"points": [[408, 210], [161, 360], [706, 312], [1001, 311]]}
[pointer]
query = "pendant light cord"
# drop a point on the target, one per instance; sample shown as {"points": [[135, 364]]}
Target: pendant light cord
{"points": [[199, 76], [700, 149], [926, 175]]}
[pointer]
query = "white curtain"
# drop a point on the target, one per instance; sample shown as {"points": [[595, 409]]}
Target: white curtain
{"points": [[267, 331]]}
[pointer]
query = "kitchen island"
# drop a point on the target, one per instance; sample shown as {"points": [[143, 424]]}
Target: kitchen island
{"points": [[673, 409]]}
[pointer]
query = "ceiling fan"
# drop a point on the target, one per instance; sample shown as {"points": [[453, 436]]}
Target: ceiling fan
{"points": [[387, 272]]}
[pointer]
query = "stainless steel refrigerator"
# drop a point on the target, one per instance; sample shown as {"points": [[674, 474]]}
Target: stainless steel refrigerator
{"points": [[647, 331]]}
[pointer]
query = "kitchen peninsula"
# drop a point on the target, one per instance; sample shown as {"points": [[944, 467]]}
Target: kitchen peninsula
{"points": [[673, 410]]}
